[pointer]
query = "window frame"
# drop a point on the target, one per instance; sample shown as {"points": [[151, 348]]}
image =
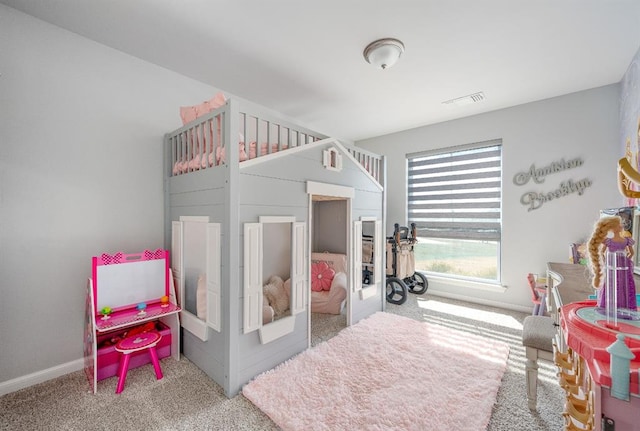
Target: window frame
{"points": [[470, 222]]}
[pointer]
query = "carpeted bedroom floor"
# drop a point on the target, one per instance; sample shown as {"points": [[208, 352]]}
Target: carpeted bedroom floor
{"points": [[187, 399]]}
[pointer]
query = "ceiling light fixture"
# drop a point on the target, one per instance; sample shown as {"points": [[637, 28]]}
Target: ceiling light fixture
{"points": [[383, 53]]}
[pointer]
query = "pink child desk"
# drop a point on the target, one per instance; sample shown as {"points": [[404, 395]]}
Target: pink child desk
{"points": [[121, 282]]}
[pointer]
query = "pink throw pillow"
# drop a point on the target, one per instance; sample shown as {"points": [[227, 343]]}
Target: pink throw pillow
{"points": [[190, 113], [243, 153], [253, 151], [202, 109], [216, 101], [219, 155], [321, 276]]}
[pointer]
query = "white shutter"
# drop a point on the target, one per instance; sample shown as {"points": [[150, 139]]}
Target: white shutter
{"points": [[378, 252], [298, 267], [176, 260], [252, 312], [213, 276], [357, 255]]}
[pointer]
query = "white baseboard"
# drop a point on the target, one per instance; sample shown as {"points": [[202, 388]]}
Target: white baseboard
{"points": [[40, 376], [506, 306]]}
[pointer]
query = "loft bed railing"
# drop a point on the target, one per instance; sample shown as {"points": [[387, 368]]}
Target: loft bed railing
{"points": [[372, 162], [204, 142]]}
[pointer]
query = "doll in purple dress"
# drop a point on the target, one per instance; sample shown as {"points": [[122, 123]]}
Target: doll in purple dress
{"points": [[600, 242]]}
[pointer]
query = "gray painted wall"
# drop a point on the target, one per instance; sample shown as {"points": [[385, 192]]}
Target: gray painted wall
{"points": [[581, 125], [81, 131]]}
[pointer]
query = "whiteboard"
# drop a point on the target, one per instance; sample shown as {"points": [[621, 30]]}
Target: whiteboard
{"points": [[130, 283]]}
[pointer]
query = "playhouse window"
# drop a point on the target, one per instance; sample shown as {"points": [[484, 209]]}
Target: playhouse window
{"points": [[368, 256], [332, 159], [195, 263], [274, 275]]}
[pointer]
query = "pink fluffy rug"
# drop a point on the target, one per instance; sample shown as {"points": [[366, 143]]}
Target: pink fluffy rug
{"points": [[387, 372]]}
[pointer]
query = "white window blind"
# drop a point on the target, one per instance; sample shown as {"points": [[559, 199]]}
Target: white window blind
{"points": [[456, 193]]}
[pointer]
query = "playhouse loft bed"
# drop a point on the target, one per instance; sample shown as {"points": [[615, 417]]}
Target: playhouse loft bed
{"points": [[250, 195]]}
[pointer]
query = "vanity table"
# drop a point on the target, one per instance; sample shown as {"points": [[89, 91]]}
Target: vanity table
{"points": [[582, 356]]}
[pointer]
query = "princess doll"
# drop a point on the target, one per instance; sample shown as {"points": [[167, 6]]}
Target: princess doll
{"points": [[601, 242]]}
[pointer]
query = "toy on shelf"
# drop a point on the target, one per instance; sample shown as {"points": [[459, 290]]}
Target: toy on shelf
{"points": [[611, 263], [105, 311], [579, 253], [164, 301], [141, 308]]}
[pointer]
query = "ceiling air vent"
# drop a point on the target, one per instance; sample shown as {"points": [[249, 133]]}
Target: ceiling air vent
{"points": [[465, 100]]}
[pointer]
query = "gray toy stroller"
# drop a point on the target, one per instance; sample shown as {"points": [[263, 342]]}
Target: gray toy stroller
{"points": [[401, 274]]}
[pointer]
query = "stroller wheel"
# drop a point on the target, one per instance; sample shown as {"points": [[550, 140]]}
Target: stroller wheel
{"points": [[419, 283], [396, 291]]}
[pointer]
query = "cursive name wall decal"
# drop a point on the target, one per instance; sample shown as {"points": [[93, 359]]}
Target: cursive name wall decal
{"points": [[539, 174], [534, 200]]}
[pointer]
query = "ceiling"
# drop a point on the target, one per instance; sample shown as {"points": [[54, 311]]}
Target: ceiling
{"points": [[304, 58]]}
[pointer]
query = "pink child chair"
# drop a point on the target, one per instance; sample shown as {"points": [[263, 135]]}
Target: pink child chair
{"points": [[136, 343]]}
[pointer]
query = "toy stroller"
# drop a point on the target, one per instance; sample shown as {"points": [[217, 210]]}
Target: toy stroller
{"points": [[401, 274]]}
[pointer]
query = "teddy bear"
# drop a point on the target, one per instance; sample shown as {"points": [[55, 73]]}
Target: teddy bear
{"points": [[267, 310], [277, 295]]}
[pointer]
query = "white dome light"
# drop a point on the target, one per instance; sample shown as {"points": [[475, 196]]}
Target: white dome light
{"points": [[383, 53]]}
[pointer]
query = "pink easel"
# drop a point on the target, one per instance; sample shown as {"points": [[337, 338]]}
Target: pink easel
{"points": [[124, 291]]}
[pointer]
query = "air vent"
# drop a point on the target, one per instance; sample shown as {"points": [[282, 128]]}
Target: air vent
{"points": [[465, 100]]}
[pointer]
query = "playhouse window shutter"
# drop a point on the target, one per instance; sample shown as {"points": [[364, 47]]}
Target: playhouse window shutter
{"points": [[378, 253], [298, 268], [176, 258], [357, 255], [252, 277], [213, 276]]}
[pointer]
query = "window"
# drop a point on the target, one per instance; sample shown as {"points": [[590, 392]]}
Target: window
{"points": [[267, 253], [454, 198]]}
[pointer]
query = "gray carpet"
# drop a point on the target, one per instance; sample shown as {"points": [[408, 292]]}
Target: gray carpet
{"points": [[186, 399]]}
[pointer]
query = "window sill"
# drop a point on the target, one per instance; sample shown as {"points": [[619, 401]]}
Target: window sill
{"points": [[436, 280]]}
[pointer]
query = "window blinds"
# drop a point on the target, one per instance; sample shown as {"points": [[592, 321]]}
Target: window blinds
{"points": [[457, 193]]}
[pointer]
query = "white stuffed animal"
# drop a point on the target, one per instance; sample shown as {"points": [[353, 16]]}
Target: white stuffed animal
{"points": [[275, 292], [267, 311]]}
